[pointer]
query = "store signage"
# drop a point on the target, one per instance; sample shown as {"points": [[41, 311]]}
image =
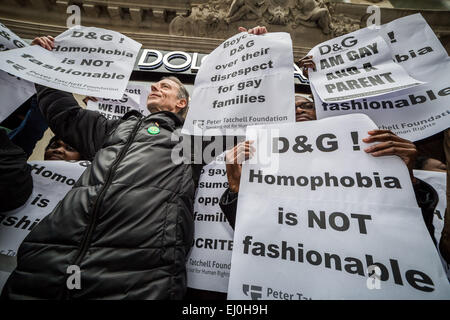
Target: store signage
{"points": [[182, 62]]}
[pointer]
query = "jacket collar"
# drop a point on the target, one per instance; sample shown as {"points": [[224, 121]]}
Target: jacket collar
{"points": [[167, 115]]}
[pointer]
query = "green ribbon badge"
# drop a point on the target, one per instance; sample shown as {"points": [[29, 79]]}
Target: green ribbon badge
{"points": [[153, 130]]}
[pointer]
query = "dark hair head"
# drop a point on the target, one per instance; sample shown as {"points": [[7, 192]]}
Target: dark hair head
{"points": [[53, 139], [420, 162]]}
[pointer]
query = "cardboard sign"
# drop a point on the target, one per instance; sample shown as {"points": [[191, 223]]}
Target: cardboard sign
{"points": [[209, 262], [134, 98], [247, 80], [51, 181], [13, 90], [415, 113], [86, 60], [318, 218]]}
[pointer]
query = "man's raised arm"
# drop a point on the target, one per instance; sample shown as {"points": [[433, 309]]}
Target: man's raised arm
{"points": [[85, 130]]}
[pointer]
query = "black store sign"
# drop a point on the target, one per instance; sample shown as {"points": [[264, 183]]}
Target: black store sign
{"points": [[152, 64]]}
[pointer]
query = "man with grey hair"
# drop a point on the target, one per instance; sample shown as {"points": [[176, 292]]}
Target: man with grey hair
{"points": [[126, 227], [157, 94]]}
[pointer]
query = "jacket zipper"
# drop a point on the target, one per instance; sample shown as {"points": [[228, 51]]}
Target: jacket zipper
{"points": [[87, 239]]}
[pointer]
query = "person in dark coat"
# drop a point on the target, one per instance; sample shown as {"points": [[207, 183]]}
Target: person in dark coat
{"points": [[127, 224], [16, 184]]}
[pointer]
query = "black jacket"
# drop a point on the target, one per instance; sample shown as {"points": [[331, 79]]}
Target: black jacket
{"points": [[127, 223], [16, 184]]}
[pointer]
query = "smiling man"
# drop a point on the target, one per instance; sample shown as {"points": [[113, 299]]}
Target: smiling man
{"points": [[168, 94], [127, 224]]}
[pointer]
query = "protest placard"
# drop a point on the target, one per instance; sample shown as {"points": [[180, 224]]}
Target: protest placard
{"points": [[333, 223], [415, 113], [51, 181], [247, 80], [296, 250], [209, 262], [86, 60], [287, 158], [360, 67], [9, 40], [134, 98], [438, 181], [13, 90]]}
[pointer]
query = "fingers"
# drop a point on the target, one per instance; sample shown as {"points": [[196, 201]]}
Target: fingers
{"points": [[241, 152], [383, 135], [257, 30], [242, 29], [50, 43], [262, 30], [306, 63], [391, 148], [47, 42], [87, 98], [234, 157], [392, 145]]}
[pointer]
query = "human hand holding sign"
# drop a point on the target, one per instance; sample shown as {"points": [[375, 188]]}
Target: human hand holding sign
{"points": [[87, 98], [305, 63], [392, 145], [256, 30], [233, 159], [46, 42]]}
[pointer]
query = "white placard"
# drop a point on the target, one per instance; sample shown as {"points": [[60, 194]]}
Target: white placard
{"points": [[294, 249], [438, 181], [14, 91], [247, 80], [51, 181], [414, 113], [134, 98], [209, 262], [9, 40], [86, 60], [364, 69], [302, 234], [322, 160]]}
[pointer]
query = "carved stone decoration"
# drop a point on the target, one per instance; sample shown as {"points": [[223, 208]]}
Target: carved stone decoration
{"points": [[249, 9], [343, 24], [278, 12], [204, 20], [312, 12], [220, 18]]}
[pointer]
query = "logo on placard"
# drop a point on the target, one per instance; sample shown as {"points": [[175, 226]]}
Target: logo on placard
{"points": [[198, 123], [254, 291]]}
